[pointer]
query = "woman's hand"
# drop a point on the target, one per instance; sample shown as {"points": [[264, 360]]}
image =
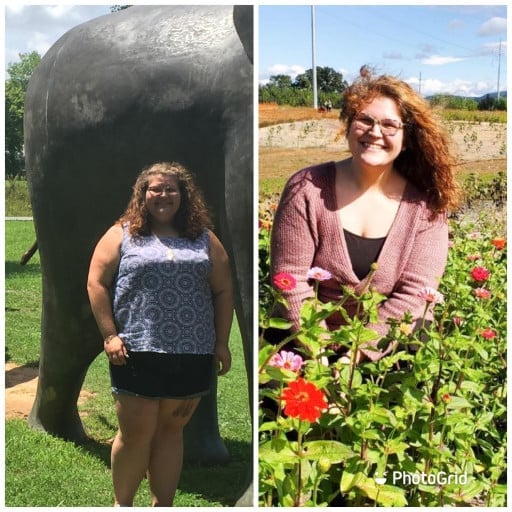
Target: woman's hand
{"points": [[222, 357], [116, 350]]}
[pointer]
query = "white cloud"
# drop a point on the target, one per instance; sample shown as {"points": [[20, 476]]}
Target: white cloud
{"points": [[284, 69], [14, 8], [439, 60], [36, 27], [39, 42], [458, 87], [493, 27], [280, 69]]}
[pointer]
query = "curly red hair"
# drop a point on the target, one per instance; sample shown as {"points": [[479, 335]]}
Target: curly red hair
{"points": [[428, 160], [190, 220]]}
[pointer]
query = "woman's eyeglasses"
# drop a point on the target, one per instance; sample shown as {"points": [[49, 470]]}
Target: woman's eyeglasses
{"points": [[158, 191], [366, 122]]}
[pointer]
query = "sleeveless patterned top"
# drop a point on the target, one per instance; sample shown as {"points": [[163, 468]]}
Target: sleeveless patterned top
{"points": [[162, 300]]}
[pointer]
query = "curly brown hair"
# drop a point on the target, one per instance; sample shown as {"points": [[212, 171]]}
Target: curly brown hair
{"points": [[192, 217], [428, 161]]}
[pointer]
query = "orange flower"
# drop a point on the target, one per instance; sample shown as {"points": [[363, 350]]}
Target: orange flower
{"points": [[265, 224], [498, 242], [303, 400]]}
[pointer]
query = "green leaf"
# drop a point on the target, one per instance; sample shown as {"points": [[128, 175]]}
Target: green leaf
{"points": [[335, 451], [279, 323], [457, 402]]}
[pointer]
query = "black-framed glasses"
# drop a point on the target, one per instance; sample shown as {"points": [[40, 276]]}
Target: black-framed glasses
{"points": [[158, 190], [366, 122]]}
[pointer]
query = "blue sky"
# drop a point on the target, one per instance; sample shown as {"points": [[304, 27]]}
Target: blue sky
{"points": [[36, 27], [455, 49]]}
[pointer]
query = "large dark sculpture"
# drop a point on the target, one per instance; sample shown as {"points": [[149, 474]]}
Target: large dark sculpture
{"points": [[145, 84]]}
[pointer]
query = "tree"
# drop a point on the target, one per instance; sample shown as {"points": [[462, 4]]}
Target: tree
{"points": [[328, 80], [15, 89], [117, 8], [281, 81]]}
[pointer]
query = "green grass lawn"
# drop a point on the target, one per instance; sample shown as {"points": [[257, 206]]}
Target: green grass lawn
{"points": [[41, 470]]}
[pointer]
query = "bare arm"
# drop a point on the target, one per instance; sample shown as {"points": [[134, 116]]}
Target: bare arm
{"points": [[103, 267], [222, 293]]}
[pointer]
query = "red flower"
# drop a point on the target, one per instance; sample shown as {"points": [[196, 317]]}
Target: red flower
{"points": [[303, 400], [488, 333], [446, 397], [480, 274], [498, 242], [284, 281]]}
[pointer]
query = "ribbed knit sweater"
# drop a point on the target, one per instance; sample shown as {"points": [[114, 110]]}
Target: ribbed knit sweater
{"points": [[307, 232]]}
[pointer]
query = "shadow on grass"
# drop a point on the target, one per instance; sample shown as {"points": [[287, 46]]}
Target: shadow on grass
{"points": [[220, 483], [14, 267]]}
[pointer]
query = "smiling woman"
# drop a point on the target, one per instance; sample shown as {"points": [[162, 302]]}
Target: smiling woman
{"points": [[379, 214], [161, 352]]}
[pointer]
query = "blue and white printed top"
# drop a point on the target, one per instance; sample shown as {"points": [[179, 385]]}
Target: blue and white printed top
{"points": [[162, 300]]}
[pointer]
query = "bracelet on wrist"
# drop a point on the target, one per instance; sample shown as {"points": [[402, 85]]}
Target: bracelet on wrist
{"points": [[109, 338]]}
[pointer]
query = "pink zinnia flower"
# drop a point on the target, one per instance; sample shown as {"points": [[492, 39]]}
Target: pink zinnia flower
{"points": [[458, 320], [488, 333], [474, 257], [284, 281], [319, 274], [431, 295], [482, 293], [480, 274], [287, 360]]}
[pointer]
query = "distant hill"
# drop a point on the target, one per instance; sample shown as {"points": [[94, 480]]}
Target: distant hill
{"points": [[503, 94]]}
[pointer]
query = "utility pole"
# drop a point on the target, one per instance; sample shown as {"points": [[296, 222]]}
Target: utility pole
{"points": [[499, 69], [313, 48]]}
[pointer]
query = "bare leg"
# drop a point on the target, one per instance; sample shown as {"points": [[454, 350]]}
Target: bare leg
{"points": [[167, 449], [138, 418]]}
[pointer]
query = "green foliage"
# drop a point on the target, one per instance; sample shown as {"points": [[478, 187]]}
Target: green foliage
{"points": [[490, 103], [17, 201], [15, 89], [41, 470], [478, 191], [299, 93], [454, 102], [117, 8], [459, 103], [436, 416]]}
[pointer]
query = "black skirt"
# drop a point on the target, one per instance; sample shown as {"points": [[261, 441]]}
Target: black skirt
{"points": [[155, 375]]}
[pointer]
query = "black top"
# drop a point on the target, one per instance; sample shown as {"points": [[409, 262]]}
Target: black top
{"points": [[363, 252]]}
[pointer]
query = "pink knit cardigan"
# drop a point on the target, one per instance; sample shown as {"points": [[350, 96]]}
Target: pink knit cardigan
{"points": [[307, 233]]}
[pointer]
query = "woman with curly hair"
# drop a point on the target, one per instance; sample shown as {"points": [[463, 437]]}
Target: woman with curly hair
{"points": [[386, 204], [160, 289]]}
